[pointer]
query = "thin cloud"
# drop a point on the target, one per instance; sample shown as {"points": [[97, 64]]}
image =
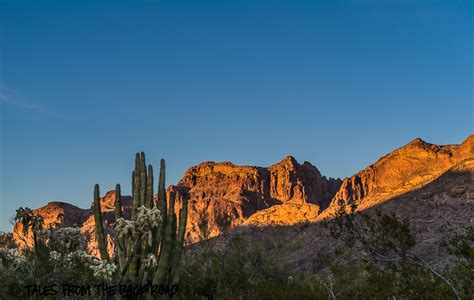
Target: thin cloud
{"points": [[8, 96]]}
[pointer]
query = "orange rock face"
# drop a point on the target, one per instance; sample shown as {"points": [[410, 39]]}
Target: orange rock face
{"points": [[229, 194], [56, 215], [107, 205], [407, 168], [59, 215]]}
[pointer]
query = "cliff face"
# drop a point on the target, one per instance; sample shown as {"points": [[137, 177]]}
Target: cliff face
{"points": [[407, 168], [229, 194]]}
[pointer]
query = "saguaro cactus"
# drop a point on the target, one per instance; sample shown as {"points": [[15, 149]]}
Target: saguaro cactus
{"points": [[161, 244]]}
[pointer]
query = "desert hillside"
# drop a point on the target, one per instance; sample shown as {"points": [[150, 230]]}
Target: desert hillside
{"points": [[437, 211], [407, 168]]}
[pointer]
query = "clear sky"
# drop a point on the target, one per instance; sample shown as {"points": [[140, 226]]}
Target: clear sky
{"points": [[84, 85]]}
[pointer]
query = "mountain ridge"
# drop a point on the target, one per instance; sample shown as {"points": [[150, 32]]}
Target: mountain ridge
{"points": [[284, 193]]}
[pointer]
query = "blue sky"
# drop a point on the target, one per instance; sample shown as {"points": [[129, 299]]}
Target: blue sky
{"points": [[86, 84]]}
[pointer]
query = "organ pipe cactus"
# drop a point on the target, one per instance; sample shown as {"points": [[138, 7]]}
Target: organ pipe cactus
{"points": [[151, 243]]}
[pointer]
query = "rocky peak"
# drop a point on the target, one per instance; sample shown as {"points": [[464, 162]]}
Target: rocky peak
{"points": [[108, 201], [468, 145], [289, 162], [229, 194], [409, 167], [418, 143]]}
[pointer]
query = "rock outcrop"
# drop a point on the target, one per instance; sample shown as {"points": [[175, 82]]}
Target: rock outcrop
{"points": [[59, 215], [55, 215], [227, 194], [407, 168]]}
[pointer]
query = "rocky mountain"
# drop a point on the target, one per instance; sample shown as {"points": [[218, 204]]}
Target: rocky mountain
{"points": [[228, 194], [410, 180], [407, 168], [437, 211]]}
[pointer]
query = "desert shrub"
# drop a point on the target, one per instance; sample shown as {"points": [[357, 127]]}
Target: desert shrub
{"points": [[249, 269], [6, 240], [62, 260], [376, 260]]}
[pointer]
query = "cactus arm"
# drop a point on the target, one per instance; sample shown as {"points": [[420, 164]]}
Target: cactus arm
{"points": [[133, 264], [118, 215], [143, 180], [179, 242], [141, 251], [136, 187], [161, 204], [118, 203], [146, 248], [99, 230], [149, 188], [125, 271], [166, 245], [162, 199], [139, 191], [162, 190]]}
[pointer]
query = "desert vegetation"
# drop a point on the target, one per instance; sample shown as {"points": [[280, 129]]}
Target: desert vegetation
{"points": [[150, 244], [370, 254], [149, 247], [372, 259]]}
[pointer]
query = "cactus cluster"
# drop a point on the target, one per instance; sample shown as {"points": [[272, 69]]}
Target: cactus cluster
{"points": [[150, 244]]}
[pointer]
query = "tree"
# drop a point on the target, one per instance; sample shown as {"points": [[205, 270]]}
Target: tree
{"points": [[33, 223]]}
